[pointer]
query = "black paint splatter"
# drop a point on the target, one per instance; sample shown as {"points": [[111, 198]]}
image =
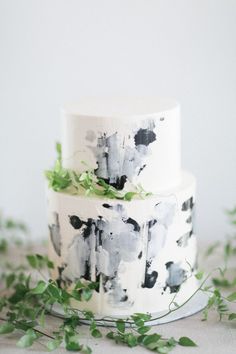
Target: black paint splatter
{"points": [[188, 204], [140, 255], [125, 296], [105, 205], [150, 279], [118, 184], [141, 168], [75, 222], [144, 137], [134, 223]]}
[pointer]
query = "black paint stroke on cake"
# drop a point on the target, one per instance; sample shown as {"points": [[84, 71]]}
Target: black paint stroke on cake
{"points": [[183, 240], [117, 161], [55, 235], [188, 208], [188, 204]]}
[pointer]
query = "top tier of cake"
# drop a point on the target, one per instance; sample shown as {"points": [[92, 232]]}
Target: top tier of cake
{"points": [[125, 141]]}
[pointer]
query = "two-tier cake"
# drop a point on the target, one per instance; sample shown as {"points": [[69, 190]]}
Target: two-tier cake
{"points": [[142, 252]]}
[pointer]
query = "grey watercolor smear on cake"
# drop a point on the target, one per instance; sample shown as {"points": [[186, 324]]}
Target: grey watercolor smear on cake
{"points": [[188, 208], [157, 232], [176, 276], [99, 248], [115, 290], [55, 235], [61, 280], [116, 160], [101, 245]]}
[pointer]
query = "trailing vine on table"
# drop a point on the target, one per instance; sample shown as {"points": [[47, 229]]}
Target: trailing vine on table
{"points": [[28, 295]]}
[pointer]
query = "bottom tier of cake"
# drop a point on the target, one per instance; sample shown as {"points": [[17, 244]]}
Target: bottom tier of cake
{"points": [[142, 253]]}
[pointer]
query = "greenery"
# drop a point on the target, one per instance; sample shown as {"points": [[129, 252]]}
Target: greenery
{"points": [[61, 179], [11, 229], [27, 303], [27, 297]]}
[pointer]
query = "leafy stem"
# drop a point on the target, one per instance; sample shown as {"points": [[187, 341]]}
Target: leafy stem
{"points": [[62, 179]]}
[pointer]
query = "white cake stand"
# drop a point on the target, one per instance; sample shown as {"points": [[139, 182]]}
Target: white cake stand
{"points": [[197, 303]]}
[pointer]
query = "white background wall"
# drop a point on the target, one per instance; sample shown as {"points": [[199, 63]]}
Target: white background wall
{"points": [[53, 51]]}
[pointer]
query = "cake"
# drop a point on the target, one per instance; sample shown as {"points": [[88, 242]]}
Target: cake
{"points": [[141, 251]]}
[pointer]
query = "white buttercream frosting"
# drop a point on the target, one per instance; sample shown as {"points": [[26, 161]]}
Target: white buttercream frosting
{"points": [[141, 252], [124, 140]]}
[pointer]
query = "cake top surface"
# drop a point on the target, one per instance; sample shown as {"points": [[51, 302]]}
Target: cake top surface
{"points": [[120, 106]]}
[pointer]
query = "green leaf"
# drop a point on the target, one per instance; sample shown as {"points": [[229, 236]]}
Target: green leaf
{"points": [[6, 328], [86, 294], [86, 350], [10, 279], [40, 288], [88, 315], [79, 285], [54, 291], [120, 325], [27, 340], [129, 195], [73, 346], [19, 294], [224, 283], [93, 285], [58, 149], [232, 297], [131, 340], [42, 318], [50, 264], [186, 342], [139, 322], [96, 333], [32, 260], [144, 329], [110, 335], [151, 338], [72, 342], [199, 275], [54, 344], [232, 316], [25, 325]]}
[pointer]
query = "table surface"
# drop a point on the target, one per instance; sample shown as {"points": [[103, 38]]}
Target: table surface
{"points": [[211, 336]]}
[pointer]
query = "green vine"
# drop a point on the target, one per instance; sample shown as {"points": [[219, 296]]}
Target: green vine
{"points": [[28, 295], [61, 179]]}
